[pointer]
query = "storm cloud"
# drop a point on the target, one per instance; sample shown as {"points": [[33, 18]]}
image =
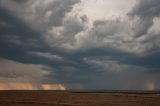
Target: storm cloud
{"points": [[79, 44]]}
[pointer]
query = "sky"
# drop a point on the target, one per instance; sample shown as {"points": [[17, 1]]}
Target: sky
{"points": [[79, 45]]}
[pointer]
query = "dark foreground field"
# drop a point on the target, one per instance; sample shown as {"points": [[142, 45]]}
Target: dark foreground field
{"points": [[31, 98]]}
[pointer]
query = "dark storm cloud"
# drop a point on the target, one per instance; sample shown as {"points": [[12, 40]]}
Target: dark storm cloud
{"points": [[20, 1], [19, 37], [64, 36], [112, 68], [24, 46], [147, 10], [41, 15], [18, 40], [16, 37], [150, 61], [106, 56]]}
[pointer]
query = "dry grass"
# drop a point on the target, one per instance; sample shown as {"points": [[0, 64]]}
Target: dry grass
{"points": [[14, 98]]}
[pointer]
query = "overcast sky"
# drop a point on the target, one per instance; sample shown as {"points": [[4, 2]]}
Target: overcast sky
{"points": [[80, 44]]}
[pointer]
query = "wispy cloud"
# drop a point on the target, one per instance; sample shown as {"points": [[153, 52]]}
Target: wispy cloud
{"points": [[47, 56]]}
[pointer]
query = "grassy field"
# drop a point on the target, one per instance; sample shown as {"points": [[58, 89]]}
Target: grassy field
{"points": [[31, 98]]}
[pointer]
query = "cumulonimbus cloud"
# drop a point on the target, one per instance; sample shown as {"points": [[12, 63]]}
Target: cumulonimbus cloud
{"points": [[75, 29]]}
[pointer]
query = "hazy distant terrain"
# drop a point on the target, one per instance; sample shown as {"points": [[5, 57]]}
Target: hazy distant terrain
{"points": [[34, 98]]}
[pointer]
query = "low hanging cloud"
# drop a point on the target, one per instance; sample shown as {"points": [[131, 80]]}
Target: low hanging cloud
{"points": [[29, 86], [15, 71], [15, 75], [19, 76], [114, 74]]}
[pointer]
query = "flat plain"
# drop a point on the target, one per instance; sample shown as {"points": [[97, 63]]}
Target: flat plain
{"points": [[49, 98]]}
